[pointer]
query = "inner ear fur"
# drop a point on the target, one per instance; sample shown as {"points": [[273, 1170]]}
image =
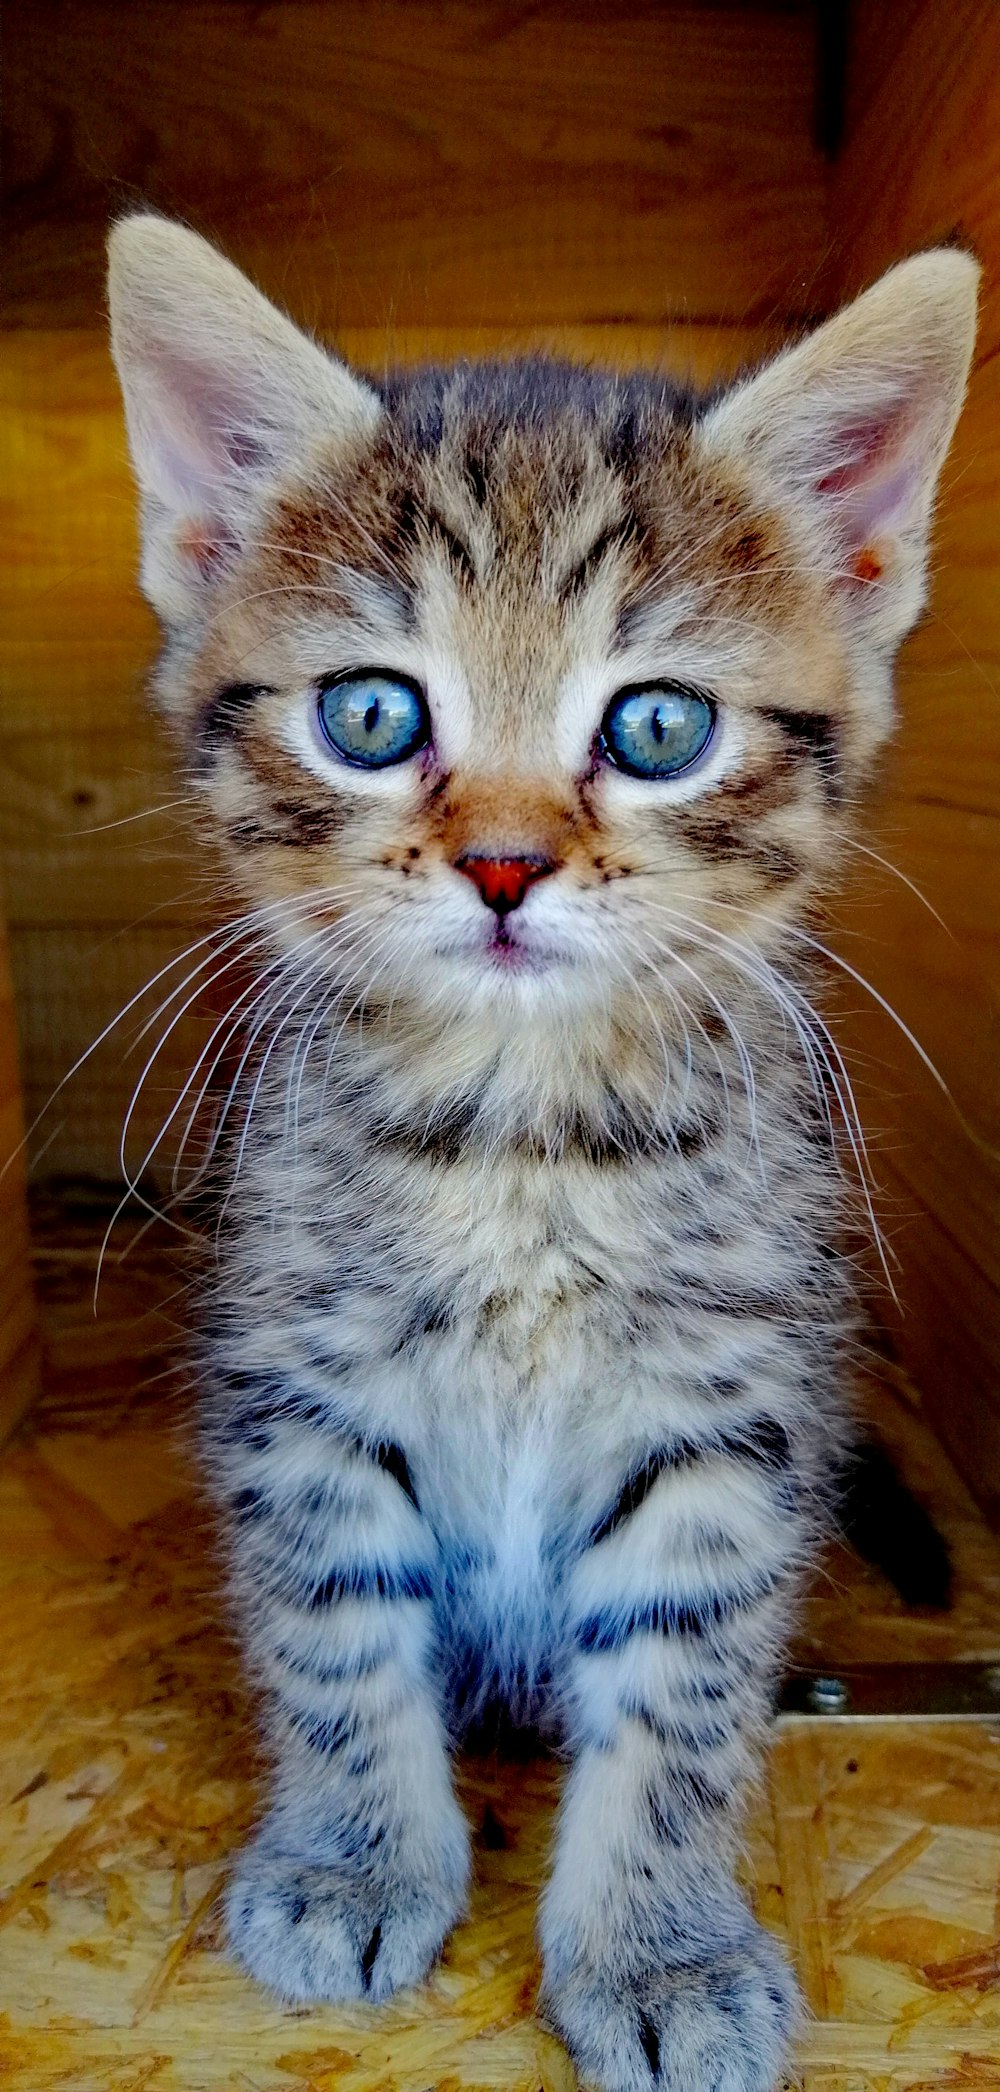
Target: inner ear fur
{"points": [[223, 396], [850, 428]]}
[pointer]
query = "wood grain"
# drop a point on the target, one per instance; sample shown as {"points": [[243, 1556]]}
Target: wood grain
{"points": [[82, 1002], [922, 159], [18, 1335], [436, 160]]}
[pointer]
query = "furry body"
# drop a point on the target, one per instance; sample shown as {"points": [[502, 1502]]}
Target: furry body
{"points": [[614, 1376], [525, 1356]]}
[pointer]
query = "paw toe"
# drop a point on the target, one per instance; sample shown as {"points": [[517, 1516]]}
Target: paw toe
{"points": [[310, 1932], [717, 2025]]}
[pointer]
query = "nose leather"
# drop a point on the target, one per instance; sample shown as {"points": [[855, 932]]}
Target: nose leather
{"points": [[504, 881]]}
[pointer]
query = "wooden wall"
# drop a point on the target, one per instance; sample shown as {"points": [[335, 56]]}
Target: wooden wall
{"points": [[18, 1338], [638, 179], [920, 162]]}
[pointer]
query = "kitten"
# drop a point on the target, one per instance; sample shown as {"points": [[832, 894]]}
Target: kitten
{"points": [[530, 706]]}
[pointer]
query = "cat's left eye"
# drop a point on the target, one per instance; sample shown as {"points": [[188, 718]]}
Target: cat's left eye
{"points": [[657, 730], [373, 718]]}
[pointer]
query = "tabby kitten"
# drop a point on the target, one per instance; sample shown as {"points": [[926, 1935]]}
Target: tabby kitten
{"points": [[530, 706]]}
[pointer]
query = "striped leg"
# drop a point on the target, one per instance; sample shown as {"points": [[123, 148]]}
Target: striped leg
{"points": [[655, 1972], [360, 1868]]}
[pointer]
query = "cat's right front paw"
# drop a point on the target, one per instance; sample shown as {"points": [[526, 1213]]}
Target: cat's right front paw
{"points": [[313, 1933]]}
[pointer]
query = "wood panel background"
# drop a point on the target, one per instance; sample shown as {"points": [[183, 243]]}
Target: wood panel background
{"points": [[628, 182], [920, 163], [19, 1353], [457, 161]]}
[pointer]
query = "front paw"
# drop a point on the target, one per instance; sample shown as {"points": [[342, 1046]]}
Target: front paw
{"points": [[714, 2025], [335, 1933]]}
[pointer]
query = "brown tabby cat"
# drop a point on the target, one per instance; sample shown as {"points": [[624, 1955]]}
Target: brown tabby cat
{"points": [[531, 706]]}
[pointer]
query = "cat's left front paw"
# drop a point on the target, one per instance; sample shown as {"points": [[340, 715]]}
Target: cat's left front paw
{"points": [[716, 2026]]}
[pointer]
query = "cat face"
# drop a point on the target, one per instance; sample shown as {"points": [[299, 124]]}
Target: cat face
{"points": [[519, 687]]}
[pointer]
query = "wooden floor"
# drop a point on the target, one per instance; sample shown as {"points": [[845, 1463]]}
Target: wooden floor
{"points": [[128, 1777]]}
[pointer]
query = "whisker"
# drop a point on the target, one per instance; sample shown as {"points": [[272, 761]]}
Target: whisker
{"points": [[147, 813], [887, 864]]}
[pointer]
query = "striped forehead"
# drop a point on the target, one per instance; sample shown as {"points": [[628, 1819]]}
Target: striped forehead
{"points": [[515, 569]]}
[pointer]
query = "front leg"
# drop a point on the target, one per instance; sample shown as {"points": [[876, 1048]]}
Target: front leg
{"points": [[360, 1868], [655, 1972]]}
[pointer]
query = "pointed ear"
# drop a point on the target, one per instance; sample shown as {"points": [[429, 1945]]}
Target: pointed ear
{"points": [[223, 396], [851, 426]]}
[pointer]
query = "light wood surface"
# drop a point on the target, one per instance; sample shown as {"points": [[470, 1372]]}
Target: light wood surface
{"points": [[921, 162], [129, 1776]]}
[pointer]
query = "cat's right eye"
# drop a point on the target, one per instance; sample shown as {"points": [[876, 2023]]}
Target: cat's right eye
{"points": [[372, 718]]}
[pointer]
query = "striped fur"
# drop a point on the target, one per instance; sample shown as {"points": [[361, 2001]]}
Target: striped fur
{"points": [[525, 1348]]}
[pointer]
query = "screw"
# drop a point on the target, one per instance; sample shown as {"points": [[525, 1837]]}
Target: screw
{"points": [[828, 1696]]}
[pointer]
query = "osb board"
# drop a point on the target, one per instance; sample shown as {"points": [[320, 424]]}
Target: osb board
{"points": [[921, 161], [128, 1778], [439, 159]]}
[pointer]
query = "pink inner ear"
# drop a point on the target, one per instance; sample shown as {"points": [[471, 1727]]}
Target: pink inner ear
{"points": [[879, 469], [201, 427]]}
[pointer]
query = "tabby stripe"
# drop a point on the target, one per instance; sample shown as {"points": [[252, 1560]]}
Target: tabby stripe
{"points": [[363, 1665], [763, 1440], [814, 734], [608, 1630], [251, 1423], [710, 1736], [326, 1734], [672, 1812], [369, 1580], [222, 715]]}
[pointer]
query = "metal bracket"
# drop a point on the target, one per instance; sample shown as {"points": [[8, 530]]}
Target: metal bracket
{"points": [[887, 1691]]}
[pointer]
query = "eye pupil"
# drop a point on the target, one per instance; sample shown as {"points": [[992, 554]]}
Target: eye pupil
{"points": [[372, 718], [658, 730]]}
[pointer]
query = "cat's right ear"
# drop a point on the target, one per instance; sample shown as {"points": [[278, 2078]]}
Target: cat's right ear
{"points": [[223, 398]]}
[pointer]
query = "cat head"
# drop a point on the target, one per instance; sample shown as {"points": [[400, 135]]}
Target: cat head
{"points": [[514, 686]]}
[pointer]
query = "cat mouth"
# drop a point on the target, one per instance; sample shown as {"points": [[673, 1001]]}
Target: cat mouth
{"points": [[508, 954]]}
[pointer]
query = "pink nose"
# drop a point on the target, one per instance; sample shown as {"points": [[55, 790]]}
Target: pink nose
{"points": [[504, 881]]}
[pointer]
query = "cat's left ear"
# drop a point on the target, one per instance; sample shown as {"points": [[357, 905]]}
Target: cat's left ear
{"points": [[849, 429], [224, 397]]}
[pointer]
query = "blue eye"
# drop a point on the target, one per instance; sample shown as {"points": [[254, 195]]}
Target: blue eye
{"points": [[373, 718], [658, 730]]}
